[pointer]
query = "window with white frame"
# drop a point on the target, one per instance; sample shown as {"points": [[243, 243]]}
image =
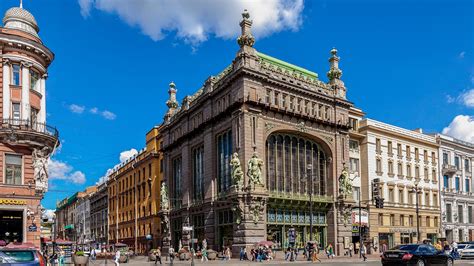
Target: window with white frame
{"points": [[16, 75], [13, 169]]}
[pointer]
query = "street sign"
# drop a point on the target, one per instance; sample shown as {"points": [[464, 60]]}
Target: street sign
{"points": [[32, 228], [187, 228]]}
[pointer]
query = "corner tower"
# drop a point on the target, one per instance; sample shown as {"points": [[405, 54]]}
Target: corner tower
{"points": [[26, 141]]}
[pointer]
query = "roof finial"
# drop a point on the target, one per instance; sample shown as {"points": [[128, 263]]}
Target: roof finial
{"points": [[246, 38], [21, 3]]}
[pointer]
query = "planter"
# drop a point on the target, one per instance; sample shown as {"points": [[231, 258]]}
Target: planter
{"points": [[123, 259], [211, 254], [80, 260], [185, 256]]}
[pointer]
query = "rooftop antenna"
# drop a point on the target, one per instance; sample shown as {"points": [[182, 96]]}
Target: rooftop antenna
{"points": [[21, 3]]}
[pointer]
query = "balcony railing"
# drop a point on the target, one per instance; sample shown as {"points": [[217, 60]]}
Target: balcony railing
{"points": [[448, 168], [27, 125]]}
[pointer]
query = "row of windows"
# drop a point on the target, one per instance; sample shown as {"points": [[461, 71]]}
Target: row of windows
{"points": [[16, 76], [128, 232], [408, 151], [457, 183], [127, 183], [407, 220], [457, 161], [298, 104], [423, 198], [408, 168], [459, 216]]}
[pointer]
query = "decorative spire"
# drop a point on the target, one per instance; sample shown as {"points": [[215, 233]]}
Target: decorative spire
{"points": [[334, 74], [246, 38], [334, 71], [21, 3], [171, 103]]}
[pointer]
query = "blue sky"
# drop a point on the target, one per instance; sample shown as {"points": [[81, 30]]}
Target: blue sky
{"points": [[408, 63]]}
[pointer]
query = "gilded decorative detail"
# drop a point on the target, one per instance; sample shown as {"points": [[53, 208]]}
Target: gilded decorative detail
{"points": [[301, 127]]}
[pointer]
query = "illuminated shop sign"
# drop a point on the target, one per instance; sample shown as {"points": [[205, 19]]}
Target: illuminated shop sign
{"points": [[12, 202]]}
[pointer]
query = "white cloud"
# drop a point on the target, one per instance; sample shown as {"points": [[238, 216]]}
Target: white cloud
{"points": [[86, 6], [450, 99], [58, 170], [48, 214], [462, 127], [125, 155], [467, 98], [78, 109], [462, 54], [194, 21], [108, 115], [94, 110]]}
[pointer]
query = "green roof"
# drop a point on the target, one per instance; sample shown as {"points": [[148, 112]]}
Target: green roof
{"points": [[287, 66]]}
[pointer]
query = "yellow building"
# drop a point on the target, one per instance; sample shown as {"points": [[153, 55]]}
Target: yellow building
{"points": [[134, 197]]}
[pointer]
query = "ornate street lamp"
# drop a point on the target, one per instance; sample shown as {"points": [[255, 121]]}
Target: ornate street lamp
{"points": [[417, 191]]}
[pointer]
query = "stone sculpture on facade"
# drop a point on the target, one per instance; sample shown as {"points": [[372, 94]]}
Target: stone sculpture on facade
{"points": [[254, 171], [40, 166], [257, 210], [345, 183], [237, 173], [164, 197], [237, 210], [246, 38]]}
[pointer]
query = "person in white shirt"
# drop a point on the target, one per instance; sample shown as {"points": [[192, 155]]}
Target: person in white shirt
{"points": [[117, 258]]}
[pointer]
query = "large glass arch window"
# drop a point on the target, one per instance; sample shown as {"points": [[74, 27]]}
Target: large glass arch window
{"points": [[287, 160]]}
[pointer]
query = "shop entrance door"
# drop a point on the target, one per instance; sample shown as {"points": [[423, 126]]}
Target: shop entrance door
{"points": [[11, 226]]}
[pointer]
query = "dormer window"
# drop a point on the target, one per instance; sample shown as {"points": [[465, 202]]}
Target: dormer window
{"points": [[16, 75]]}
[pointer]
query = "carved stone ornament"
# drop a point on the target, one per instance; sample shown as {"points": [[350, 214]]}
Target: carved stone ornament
{"points": [[165, 204], [254, 170], [345, 183], [269, 126], [346, 214], [165, 221], [257, 210], [237, 174], [40, 166], [329, 139], [237, 211], [301, 127]]}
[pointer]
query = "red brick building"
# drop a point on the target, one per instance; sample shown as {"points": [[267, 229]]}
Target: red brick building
{"points": [[26, 142]]}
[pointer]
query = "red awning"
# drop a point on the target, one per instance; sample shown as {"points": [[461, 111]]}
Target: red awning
{"points": [[18, 245]]}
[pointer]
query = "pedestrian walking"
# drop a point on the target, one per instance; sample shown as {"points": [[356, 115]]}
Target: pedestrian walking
{"points": [[363, 251], [171, 254], [157, 254], [351, 247], [117, 258], [204, 255]]}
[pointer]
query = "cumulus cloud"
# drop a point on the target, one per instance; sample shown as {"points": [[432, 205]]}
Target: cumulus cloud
{"points": [[467, 98], [108, 115], [194, 21], [462, 127], [58, 170], [78, 109], [125, 155]]}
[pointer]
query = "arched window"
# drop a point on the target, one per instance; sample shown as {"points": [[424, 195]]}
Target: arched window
{"points": [[288, 158]]}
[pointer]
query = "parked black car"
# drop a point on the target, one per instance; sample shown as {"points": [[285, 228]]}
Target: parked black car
{"points": [[416, 254]]}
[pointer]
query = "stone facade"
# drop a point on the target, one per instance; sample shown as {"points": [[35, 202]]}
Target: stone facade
{"points": [[457, 201], [402, 161], [258, 106], [26, 142], [99, 214], [134, 198]]}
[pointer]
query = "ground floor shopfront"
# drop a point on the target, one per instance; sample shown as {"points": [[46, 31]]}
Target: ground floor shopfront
{"points": [[394, 226], [20, 220], [458, 232]]}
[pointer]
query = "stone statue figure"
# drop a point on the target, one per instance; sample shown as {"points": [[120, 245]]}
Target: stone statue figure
{"points": [[237, 173], [165, 204], [345, 183], [254, 171], [257, 210], [237, 210], [166, 224], [40, 166]]}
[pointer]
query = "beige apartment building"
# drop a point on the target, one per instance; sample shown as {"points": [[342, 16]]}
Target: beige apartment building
{"points": [[400, 161]]}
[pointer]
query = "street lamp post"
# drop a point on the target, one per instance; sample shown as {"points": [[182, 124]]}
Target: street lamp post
{"points": [[415, 190], [309, 167]]}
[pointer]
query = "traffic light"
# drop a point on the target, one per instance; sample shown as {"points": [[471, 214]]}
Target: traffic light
{"points": [[379, 202], [376, 188]]}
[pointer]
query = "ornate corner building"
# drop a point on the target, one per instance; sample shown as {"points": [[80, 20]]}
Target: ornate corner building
{"points": [[245, 154], [457, 201], [26, 141]]}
